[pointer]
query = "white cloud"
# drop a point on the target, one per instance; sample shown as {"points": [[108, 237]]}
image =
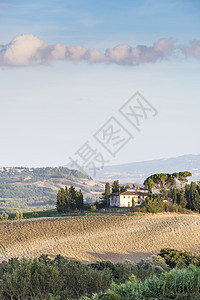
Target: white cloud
{"points": [[193, 50], [124, 54], [23, 50], [58, 52], [75, 52], [27, 49]]}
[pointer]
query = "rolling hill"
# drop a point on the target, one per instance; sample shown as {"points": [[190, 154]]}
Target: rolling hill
{"points": [[36, 187], [104, 237]]}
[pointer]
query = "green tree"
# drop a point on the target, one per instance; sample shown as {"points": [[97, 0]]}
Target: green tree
{"points": [[196, 201], [122, 188], [115, 186], [127, 186], [20, 215], [174, 195], [190, 194], [59, 202], [133, 203], [17, 215], [79, 200], [69, 200], [165, 180], [182, 177], [72, 198], [181, 199], [153, 204], [106, 195]]}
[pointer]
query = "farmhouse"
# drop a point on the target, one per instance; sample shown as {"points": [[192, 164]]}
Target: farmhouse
{"points": [[126, 197]]}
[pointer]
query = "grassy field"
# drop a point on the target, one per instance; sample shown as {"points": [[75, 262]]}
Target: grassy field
{"points": [[103, 237]]}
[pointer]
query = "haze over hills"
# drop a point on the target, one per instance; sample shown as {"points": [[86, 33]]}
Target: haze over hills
{"points": [[37, 187], [136, 172]]}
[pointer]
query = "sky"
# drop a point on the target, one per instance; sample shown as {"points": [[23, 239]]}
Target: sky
{"points": [[67, 67]]}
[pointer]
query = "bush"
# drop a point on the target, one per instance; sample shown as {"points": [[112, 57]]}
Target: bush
{"points": [[93, 208], [4, 216], [121, 272], [44, 279], [175, 284], [152, 204], [176, 258]]}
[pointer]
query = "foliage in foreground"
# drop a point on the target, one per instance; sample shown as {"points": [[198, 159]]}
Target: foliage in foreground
{"points": [[43, 278], [176, 284], [61, 278]]}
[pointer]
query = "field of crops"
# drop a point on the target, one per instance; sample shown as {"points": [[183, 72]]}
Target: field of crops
{"points": [[92, 238]]}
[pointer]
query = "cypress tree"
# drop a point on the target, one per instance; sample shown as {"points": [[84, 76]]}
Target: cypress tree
{"points": [[72, 198], [79, 200], [174, 196], [59, 202], [107, 193], [67, 200], [181, 199], [63, 200], [196, 201]]}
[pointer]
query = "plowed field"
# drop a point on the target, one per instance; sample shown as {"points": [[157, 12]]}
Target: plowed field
{"points": [[92, 238]]}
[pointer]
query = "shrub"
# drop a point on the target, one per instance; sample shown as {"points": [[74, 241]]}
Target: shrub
{"points": [[176, 284], [93, 208], [4, 216], [177, 258]]}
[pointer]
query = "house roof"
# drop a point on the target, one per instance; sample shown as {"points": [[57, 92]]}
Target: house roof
{"points": [[130, 192], [134, 193]]}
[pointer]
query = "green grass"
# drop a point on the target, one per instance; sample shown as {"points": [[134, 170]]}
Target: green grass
{"points": [[44, 214], [53, 213]]}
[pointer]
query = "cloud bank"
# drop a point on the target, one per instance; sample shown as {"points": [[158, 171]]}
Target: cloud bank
{"points": [[27, 49]]}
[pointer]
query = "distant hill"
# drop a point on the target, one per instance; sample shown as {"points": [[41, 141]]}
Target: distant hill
{"points": [[36, 187], [137, 171]]}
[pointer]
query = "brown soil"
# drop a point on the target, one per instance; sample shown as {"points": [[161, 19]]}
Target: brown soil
{"points": [[92, 238]]}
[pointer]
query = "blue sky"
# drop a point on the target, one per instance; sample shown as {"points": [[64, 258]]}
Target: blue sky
{"points": [[48, 110]]}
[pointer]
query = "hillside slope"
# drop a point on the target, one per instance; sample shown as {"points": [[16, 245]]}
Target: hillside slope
{"points": [[33, 187], [92, 238]]}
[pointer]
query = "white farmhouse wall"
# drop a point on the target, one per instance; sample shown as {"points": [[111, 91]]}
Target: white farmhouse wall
{"points": [[115, 200], [125, 199]]}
